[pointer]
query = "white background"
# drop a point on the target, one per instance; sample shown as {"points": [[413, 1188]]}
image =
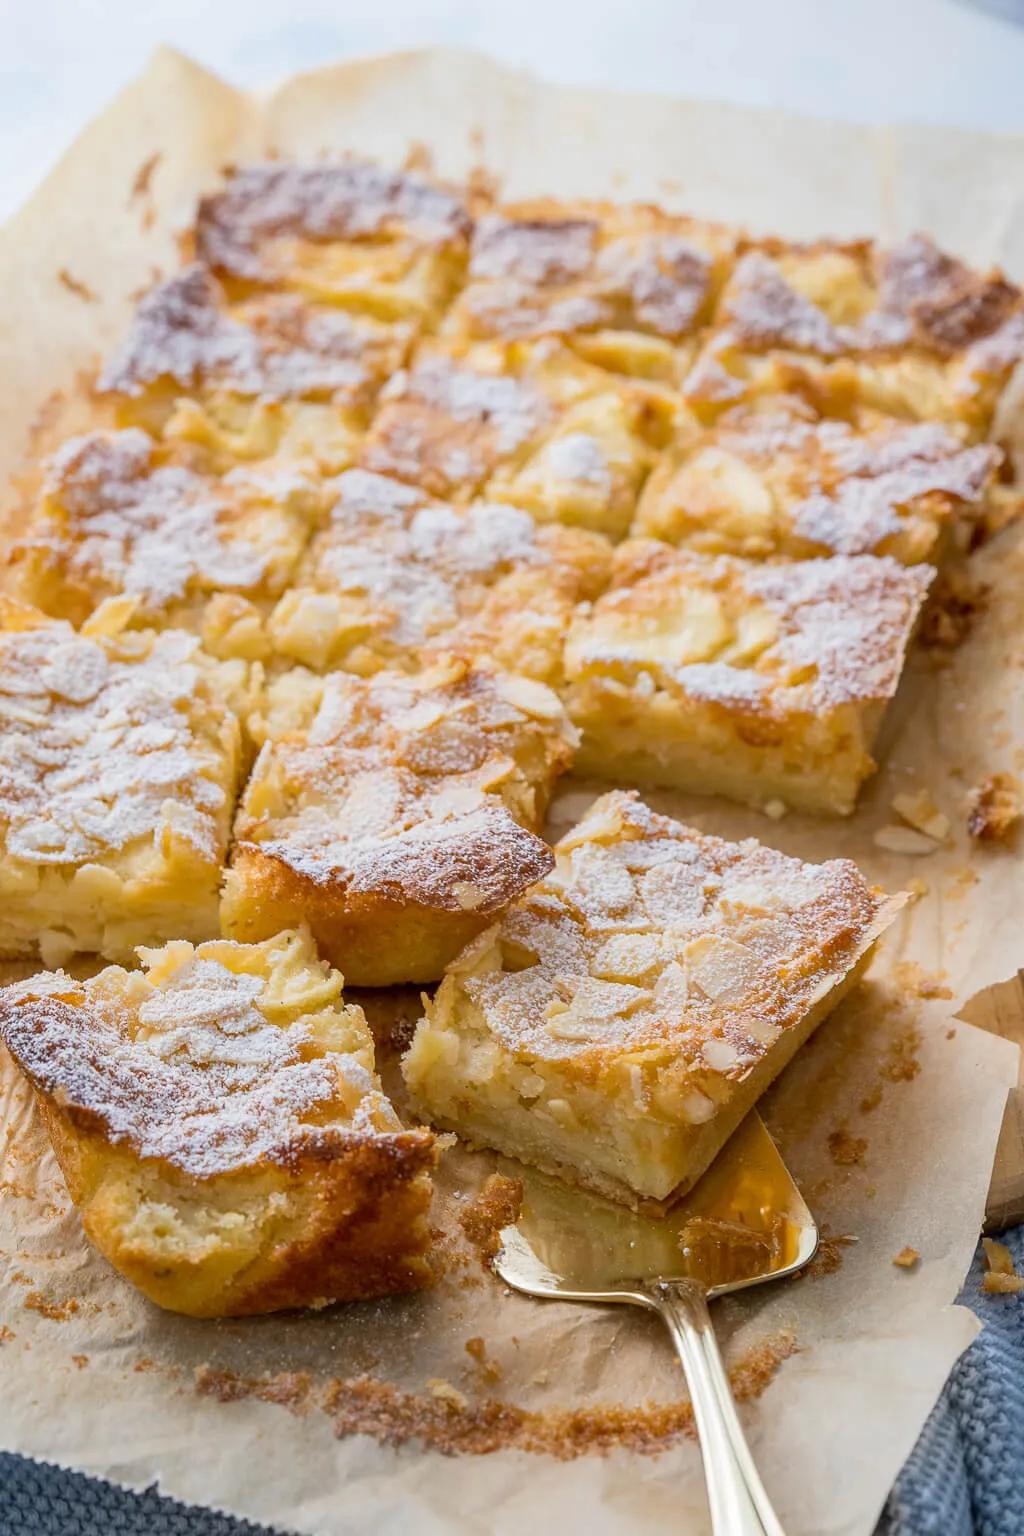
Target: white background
{"points": [[926, 60]]}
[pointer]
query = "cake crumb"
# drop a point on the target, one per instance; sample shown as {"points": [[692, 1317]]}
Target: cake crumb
{"points": [[56, 1311], [956, 600], [496, 1206], [489, 1369], [907, 1258], [1001, 1278], [446, 1393], [994, 808], [845, 1150]]}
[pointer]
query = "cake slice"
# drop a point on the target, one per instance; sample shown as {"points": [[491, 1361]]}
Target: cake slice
{"points": [[375, 242], [396, 815], [221, 1129], [760, 682], [120, 756], [909, 330], [269, 375], [117, 519], [615, 1026], [395, 575], [526, 423], [780, 481], [627, 285]]}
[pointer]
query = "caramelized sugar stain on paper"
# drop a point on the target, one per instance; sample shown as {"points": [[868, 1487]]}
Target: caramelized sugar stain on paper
{"points": [[872, 1349]]}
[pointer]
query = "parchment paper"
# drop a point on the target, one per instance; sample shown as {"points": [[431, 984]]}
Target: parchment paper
{"points": [[912, 1097]]}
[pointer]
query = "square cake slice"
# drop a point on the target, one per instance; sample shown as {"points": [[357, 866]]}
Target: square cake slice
{"points": [[270, 375], [395, 815], [909, 331], [531, 424], [377, 242], [779, 480], [395, 575], [628, 285], [120, 756], [221, 1128], [615, 1026], [760, 682], [117, 519]]}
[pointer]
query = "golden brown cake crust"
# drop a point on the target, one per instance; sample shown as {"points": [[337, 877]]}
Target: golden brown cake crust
{"points": [[349, 201], [274, 346]]}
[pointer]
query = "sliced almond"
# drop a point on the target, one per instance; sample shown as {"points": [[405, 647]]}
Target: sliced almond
{"points": [[903, 840]]}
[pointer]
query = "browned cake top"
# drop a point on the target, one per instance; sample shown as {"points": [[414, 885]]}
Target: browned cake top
{"points": [[648, 934], [547, 269], [426, 564], [126, 523], [276, 347], [919, 297], [444, 424], [103, 743], [843, 489], [765, 638], [350, 201], [205, 1070], [402, 784]]}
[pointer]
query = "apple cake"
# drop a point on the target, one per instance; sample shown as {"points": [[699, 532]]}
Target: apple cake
{"points": [[375, 242], [221, 1128], [908, 330], [270, 375], [526, 423], [396, 575], [759, 681], [120, 757], [776, 480], [209, 554], [628, 286], [396, 814], [621, 1018]]}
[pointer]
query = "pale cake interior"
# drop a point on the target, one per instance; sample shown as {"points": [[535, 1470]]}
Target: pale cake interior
{"points": [[207, 1111], [619, 1021]]}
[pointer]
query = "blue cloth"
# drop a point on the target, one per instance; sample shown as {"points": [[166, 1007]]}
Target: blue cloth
{"points": [[965, 1477]]}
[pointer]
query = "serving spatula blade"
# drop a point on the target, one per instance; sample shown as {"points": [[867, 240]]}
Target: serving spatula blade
{"points": [[743, 1224]]}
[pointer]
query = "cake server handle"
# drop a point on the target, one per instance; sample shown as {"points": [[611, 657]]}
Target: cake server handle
{"points": [[739, 1504]]}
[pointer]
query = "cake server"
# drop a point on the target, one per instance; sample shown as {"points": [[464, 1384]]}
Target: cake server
{"points": [[743, 1224]]}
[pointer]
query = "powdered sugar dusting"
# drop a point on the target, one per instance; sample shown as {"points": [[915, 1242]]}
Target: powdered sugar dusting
{"points": [[648, 933], [275, 347], [414, 786], [151, 531], [97, 753], [195, 1074], [349, 201]]}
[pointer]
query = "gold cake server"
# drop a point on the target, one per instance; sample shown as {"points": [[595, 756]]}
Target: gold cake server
{"points": [[744, 1223]]}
